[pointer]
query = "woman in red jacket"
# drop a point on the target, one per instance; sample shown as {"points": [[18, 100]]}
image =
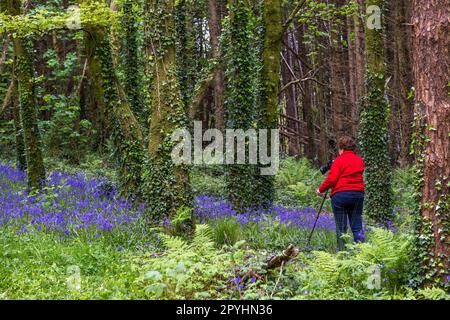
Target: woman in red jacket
{"points": [[347, 195]]}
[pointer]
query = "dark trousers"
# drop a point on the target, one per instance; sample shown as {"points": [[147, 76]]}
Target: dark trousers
{"points": [[348, 204]]}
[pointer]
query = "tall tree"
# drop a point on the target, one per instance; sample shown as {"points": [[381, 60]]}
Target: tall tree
{"points": [[270, 78], [431, 67], [240, 96], [214, 30], [28, 106], [166, 184], [373, 121]]}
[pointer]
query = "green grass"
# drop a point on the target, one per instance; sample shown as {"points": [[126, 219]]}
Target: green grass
{"points": [[39, 266]]}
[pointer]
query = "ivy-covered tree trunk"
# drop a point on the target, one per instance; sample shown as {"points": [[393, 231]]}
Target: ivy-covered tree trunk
{"points": [[166, 184], [270, 78], [28, 106], [241, 98], [373, 126], [18, 130], [124, 128], [431, 67], [131, 63], [214, 30]]}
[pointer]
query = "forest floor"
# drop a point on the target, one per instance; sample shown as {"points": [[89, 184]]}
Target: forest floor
{"points": [[80, 239]]}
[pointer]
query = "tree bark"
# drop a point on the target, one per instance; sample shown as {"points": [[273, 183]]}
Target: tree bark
{"points": [[166, 184], [214, 30], [431, 67], [28, 107], [270, 79]]}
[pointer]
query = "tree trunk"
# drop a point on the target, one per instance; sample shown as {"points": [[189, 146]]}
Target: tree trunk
{"points": [[124, 128], [131, 63], [373, 126], [28, 107], [431, 67], [307, 107], [166, 184], [214, 30], [270, 79], [20, 144]]}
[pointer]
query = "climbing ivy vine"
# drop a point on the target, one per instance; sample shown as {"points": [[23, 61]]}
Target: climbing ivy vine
{"points": [[240, 96], [125, 131], [166, 185], [373, 134]]}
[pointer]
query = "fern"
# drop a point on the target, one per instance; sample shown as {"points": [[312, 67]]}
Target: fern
{"points": [[188, 269], [433, 294], [376, 269]]}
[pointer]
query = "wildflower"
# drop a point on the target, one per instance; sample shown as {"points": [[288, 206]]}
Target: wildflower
{"points": [[236, 280]]}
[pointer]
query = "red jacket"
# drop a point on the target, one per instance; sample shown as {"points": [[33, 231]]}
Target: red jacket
{"points": [[346, 174]]}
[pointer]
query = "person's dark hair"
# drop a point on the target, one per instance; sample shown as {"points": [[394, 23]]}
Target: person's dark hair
{"points": [[346, 143]]}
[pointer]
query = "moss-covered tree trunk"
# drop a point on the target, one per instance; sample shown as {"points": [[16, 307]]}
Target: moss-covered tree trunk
{"points": [[373, 124], [21, 158], [214, 30], [166, 184], [124, 128], [240, 99], [431, 68], [28, 106], [270, 78], [131, 63]]}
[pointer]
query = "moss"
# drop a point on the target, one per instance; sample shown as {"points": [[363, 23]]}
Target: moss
{"points": [[270, 77], [28, 107], [240, 101], [20, 143], [166, 185], [124, 128], [373, 131], [131, 62]]}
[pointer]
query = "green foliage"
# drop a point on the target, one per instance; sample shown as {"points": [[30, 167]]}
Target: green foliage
{"points": [[373, 139], [241, 92], [433, 294], [131, 60], [166, 185], [125, 130], [315, 14], [377, 269], [273, 236], [183, 222], [429, 268], [296, 183], [64, 135], [7, 141], [403, 189], [227, 231], [40, 266], [195, 270], [28, 114], [41, 21], [207, 181]]}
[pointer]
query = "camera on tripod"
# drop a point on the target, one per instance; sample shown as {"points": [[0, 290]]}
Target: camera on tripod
{"points": [[326, 167]]}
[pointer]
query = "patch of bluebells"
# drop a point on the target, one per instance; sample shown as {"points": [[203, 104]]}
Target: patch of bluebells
{"points": [[207, 208], [73, 204], [70, 204]]}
